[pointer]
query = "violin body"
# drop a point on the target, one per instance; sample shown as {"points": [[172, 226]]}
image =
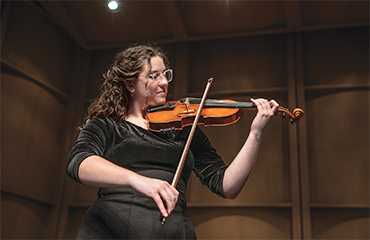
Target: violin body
{"points": [[183, 114], [178, 114]]}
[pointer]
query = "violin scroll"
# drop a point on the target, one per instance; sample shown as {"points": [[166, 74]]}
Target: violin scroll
{"points": [[296, 116]]}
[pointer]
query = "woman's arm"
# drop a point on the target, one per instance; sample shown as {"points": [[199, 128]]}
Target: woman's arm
{"points": [[238, 172], [99, 172]]}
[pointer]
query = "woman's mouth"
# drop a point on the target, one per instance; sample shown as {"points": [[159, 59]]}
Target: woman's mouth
{"points": [[162, 92]]}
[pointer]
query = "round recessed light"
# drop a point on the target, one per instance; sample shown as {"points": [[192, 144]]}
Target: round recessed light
{"points": [[112, 5]]}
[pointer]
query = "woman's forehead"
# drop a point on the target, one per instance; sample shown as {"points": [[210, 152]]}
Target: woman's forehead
{"points": [[154, 64]]}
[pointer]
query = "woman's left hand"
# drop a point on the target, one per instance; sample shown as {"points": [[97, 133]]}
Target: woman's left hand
{"points": [[266, 110]]}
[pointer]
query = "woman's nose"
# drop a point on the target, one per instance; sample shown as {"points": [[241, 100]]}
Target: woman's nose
{"points": [[163, 81]]}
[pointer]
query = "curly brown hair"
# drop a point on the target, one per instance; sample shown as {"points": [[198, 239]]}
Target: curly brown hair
{"points": [[114, 99]]}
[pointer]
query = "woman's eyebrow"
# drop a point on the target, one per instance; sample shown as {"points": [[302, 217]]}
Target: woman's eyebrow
{"points": [[154, 71]]}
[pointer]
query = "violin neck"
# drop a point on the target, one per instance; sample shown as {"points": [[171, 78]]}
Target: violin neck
{"points": [[220, 103]]}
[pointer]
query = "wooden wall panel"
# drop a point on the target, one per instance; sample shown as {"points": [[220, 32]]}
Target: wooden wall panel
{"points": [[338, 148], [242, 223], [31, 138], [26, 219], [313, 12], [34, 44], [238, 65], [40, 64], [340, 223], [100, 61], [173, 52], [336, 57], [336, 174]]}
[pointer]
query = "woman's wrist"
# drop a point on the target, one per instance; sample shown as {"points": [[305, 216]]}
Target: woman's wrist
{"points": [[255, 134], [132, 178]]}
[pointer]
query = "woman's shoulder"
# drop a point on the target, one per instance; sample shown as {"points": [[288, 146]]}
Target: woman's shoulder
{"points": [[100, 121], [106, 126], [104, 123]]}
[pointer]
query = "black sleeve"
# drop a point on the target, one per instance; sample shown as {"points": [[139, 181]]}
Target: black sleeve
{"points": [[92, 140], [208, 165]]}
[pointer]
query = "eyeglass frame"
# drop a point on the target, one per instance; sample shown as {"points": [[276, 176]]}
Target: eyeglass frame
{"points": [[151, 76]]}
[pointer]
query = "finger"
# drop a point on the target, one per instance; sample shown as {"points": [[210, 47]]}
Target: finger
{"points": [[257, 102], [169, 196], [166, 198], [266, 106], [275, 106], [158, 200], [263, 105]]}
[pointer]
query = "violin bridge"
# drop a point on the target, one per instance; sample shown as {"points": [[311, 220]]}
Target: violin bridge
{"points": [[187, 104], [187, 111]]}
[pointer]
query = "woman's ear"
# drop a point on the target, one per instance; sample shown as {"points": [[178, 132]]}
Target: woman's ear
{"points": [[130, 87]]}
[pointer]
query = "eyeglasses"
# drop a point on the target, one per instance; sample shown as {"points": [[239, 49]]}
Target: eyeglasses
{"points": [[168, 74]]}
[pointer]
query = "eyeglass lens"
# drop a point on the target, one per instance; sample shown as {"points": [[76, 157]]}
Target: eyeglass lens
{"points": [[168, 75]]}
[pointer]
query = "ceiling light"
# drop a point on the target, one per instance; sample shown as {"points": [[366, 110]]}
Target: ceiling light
{"points": [[112, 5]]}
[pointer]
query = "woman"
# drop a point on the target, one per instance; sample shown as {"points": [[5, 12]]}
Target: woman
{"points": [[134, 166]]}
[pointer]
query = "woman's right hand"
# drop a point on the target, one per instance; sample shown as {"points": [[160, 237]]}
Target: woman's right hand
{"points": [[163, 194]]}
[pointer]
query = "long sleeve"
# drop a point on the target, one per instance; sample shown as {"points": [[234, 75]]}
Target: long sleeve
{"points": [[92, 140], [208, 165]]}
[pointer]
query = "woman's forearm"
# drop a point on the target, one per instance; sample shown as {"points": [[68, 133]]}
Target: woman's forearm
{"points": [[238, 172], [99, 172]]}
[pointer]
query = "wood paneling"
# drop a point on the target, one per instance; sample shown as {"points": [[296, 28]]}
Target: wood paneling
{"points": [[336, 57], [316, 12], [339, 223], [238, 65], [39, 68], [242, 223], [34, 44], [209, 17], [335, 173], [338, 148], [22, 218], [32, 136]]}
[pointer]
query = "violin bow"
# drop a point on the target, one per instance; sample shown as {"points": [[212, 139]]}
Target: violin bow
{"points": [[190, 138]]}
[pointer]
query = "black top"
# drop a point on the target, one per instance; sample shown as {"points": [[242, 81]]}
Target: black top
{"points": [[137, 149], [121, 213]]}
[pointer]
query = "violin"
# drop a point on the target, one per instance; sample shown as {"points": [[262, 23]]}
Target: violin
{"points": [[193, 111], [175, 115]]}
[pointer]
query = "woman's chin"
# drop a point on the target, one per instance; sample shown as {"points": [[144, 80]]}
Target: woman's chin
{"points": [[157, 102], [162, 99]]}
